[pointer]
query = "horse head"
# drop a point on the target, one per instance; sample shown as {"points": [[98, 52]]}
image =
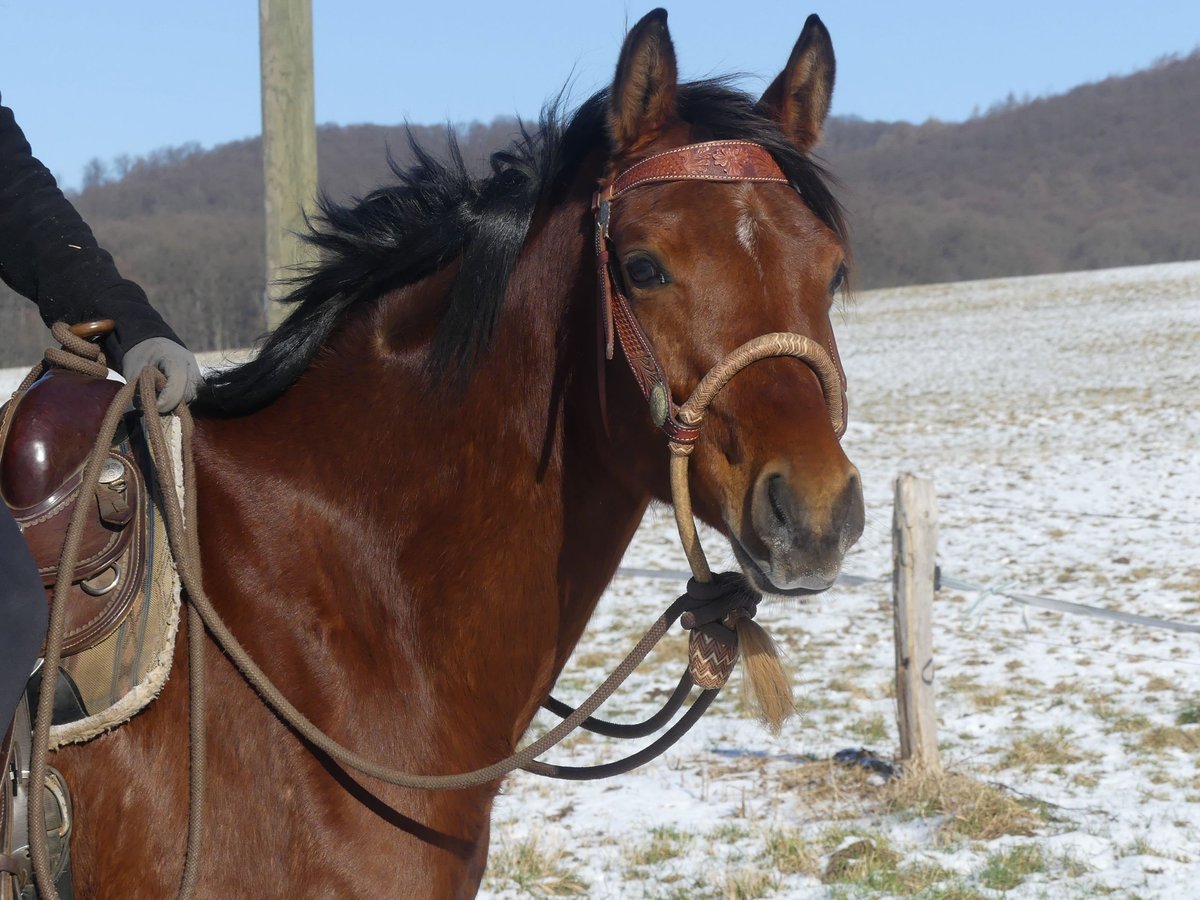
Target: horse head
{"points": [[707, 265]]}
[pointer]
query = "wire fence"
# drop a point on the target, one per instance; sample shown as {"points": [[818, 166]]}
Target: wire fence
{"points": [[1064, 513], [945, 581]]}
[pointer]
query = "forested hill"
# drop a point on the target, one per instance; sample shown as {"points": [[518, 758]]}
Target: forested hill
{"points": [[1105, 175]]}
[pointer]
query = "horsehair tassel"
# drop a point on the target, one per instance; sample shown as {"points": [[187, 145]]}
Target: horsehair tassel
{"points": [[768, 683]]}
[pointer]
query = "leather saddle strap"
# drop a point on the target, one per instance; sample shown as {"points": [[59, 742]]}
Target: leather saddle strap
{"points": [[720, 161]]}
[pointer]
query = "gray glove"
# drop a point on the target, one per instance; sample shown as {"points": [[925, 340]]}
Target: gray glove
{"points": [[175, 361]]}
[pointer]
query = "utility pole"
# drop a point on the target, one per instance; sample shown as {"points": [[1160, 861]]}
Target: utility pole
{"points": [[289, 137]]}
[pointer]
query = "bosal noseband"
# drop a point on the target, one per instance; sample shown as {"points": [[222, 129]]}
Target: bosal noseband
{"points": [[720, 161]]}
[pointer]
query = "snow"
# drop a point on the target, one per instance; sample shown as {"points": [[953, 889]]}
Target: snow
{"points": [[1057, 416]]}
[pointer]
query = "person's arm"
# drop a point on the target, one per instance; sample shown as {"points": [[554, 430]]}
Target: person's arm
{"points": [[49, 254]]}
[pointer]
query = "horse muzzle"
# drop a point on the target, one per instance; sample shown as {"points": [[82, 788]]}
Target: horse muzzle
{"points": [[796, 546]]}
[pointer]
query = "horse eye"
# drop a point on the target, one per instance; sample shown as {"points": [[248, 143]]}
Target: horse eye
{"points": [[644, 271], [838, 278]]}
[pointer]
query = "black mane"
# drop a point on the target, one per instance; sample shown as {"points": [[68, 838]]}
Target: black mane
{"points": [[438, 212]]}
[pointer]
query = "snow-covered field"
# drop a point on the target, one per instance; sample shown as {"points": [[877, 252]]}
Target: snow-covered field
{"points": [[1058, 417]]}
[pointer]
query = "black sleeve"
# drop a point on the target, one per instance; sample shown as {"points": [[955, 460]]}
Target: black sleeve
{"points": [[48, 253]]}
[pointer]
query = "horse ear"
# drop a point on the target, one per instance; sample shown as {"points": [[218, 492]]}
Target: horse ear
{"points": [[799, 98], [642, 99]]}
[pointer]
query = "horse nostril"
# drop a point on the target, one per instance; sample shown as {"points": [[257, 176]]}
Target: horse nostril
{"points": [[777, 492], [851, 512]]}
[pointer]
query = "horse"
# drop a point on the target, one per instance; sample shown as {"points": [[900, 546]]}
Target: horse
{"points": [[412, 497]]}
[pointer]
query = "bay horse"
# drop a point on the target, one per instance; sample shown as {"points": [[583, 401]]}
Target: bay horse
{"points": [[412, 498]]}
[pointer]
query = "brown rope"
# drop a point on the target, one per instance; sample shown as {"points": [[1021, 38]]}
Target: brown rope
{"points": [[54, 639]]}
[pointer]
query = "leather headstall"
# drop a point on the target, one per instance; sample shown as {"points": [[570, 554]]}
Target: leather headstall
{"points": [[721, 161]]}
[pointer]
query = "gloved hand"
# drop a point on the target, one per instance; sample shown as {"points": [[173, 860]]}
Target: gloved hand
{"points": [[175, 361]]}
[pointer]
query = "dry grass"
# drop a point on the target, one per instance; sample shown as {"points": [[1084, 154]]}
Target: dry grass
{"points": [[1170, 737], [870, 864], [829, 789], [663, 844], [1034, 750], [971, 808], [1005, 870], [749, 883], [535, 869], [786, 851], [860, 860]]}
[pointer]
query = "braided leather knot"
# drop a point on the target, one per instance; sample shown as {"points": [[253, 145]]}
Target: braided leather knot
{"points": [[713, 609]]}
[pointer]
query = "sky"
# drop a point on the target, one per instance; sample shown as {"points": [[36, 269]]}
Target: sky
{"points": [[97, 80]]}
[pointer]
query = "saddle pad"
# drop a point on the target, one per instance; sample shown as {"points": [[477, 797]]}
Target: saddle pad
{"points": [[119, 676]]}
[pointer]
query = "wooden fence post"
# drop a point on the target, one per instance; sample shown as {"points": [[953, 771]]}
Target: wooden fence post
{"points": [[289, 139], [914, 548]]}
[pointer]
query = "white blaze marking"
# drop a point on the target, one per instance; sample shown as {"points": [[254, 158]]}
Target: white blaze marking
{"points": [[747, 228]]}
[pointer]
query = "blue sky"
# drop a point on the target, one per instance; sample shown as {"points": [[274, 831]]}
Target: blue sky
{"points": [[90, 79]]}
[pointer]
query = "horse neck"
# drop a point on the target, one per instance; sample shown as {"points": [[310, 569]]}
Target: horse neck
{"points": [[448, 539]]}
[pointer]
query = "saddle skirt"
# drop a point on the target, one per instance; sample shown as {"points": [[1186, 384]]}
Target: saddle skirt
{"points": [[123, 603]]}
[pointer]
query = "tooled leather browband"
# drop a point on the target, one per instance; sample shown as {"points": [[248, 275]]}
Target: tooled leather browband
{"points": [[710, 161]]}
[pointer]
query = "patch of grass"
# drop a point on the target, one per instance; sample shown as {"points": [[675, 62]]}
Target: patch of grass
{"points": [[592, 659], [971, 808], [873, 865], [1074, 868], [990, 699], [747, 884], [861, 861], [1005, 870], [854, 688], [663, 844], [1190, 714], [787, 852], [962, 681], [831, 838], [728, 833], [534, 869], [1158, 683], [872, 730], [1140, 847], [1170, 736], [1069, 686], [1033, 750], [953, 892], [1128, 724]]}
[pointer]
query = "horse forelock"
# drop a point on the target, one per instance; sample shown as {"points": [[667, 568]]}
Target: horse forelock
{"points": [[438, 212]]}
